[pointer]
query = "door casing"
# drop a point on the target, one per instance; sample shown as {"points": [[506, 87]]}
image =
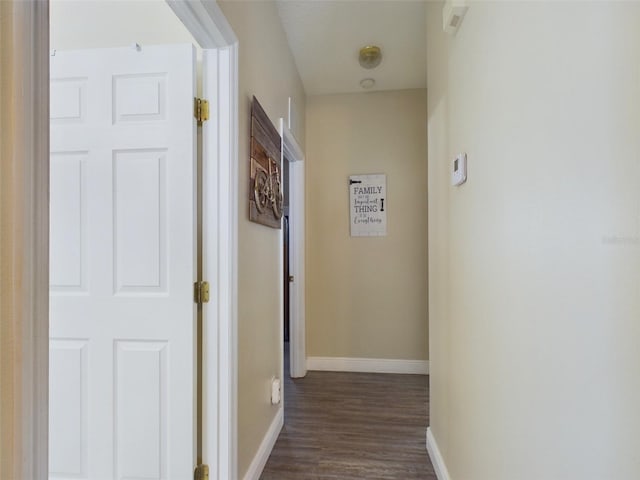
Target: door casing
{"points": [[292, 153], [208, 25]]}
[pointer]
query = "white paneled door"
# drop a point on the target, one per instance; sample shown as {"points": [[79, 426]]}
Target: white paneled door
{"points": [[123, 221]]}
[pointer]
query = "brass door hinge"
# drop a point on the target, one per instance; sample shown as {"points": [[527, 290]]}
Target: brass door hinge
{"points": [[201, 110], [201, 292], [201, 473]]}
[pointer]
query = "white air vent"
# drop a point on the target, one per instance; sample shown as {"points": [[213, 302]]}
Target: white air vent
{"points": [[453, 13]]}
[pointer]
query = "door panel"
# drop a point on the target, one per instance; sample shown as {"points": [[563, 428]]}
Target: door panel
{"points": [[140, 217], [68, 236], [68, 399], [122, 316]]}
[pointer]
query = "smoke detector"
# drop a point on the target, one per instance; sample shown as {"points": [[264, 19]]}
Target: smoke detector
{"points": [[367, 83], [370, 56]]}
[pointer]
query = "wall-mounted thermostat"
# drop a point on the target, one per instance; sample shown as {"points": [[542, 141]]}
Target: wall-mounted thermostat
{"points": [[459, 170]]}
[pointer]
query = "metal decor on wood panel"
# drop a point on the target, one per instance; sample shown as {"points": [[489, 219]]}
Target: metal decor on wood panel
{"points": [[265, 192]]}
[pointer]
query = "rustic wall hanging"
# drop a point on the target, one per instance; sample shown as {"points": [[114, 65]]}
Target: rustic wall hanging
{"points": [[265, 192]]}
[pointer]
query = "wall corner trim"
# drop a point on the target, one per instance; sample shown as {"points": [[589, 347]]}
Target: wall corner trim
{"points": [[205, 21], [368, 365], [436, 457], [262, 455]]}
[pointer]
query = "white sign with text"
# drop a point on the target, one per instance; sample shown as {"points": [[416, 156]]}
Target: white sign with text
{"points": [[367, 199]]}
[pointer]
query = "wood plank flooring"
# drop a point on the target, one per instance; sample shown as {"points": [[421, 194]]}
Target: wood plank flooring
{"points": [[352, 426]]}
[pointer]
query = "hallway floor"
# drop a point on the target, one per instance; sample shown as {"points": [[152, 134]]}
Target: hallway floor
{"points": [[352, 426]]}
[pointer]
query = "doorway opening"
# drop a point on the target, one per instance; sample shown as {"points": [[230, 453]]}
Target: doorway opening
{"points": [[211, 30], [292, 254], [123, 246], [126, 246]]}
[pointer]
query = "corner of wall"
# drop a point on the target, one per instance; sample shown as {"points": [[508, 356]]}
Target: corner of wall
{"points": [[437, 460], [266, 446]]}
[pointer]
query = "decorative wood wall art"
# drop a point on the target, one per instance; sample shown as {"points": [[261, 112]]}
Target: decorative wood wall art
{"points": [[265, 192]]}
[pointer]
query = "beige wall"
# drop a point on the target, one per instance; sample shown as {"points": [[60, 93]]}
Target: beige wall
{"points": [[24, 256], [267, 71], [10, 408], [366, 296], [535, 261], [80, 24], [438, 186], [108, 23]]}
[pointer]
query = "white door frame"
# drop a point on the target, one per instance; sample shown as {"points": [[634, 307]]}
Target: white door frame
{"points": [[292, 152], [220, 260], [208, 25], [27, 323]]}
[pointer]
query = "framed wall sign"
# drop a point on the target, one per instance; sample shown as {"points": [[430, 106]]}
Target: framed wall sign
{"points": [[368, 205]]}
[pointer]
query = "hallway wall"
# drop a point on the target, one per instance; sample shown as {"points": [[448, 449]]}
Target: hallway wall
{"points": [[106, 23], [366, 295], [266, 70], [24, 236], [535, 261]]}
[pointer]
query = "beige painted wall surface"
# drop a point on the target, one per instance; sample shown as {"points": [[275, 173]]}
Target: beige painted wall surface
{"points": [[438, 180], [535, 277], [107, 23], [366, 296], [24, 256], [267, 71], [10, 210], [83, 24]]}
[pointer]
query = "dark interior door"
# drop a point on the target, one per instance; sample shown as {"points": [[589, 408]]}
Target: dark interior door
{"points": [[285, 225]]}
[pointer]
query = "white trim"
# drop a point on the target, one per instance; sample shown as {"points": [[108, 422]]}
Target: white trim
{"points": [[231, 333], [211, 260], [205, 21], [209, 27], [436, 457], [266, 447], [290, 147], [220, 226], [24, 326], [293, 153], [368, 365]]}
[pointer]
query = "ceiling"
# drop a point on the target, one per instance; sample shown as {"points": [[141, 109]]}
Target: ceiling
{"points": [[325, 38]]}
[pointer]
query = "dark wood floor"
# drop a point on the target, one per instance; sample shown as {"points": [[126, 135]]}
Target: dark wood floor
{"points": [[348, 426]]}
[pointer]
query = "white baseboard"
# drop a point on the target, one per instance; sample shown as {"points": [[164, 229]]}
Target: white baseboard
{"points": [[436, 457], [368, 365], [269, 440]]}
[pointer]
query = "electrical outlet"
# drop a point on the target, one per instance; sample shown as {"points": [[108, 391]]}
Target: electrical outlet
{"points": [[275, 391], [459, 169]]}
